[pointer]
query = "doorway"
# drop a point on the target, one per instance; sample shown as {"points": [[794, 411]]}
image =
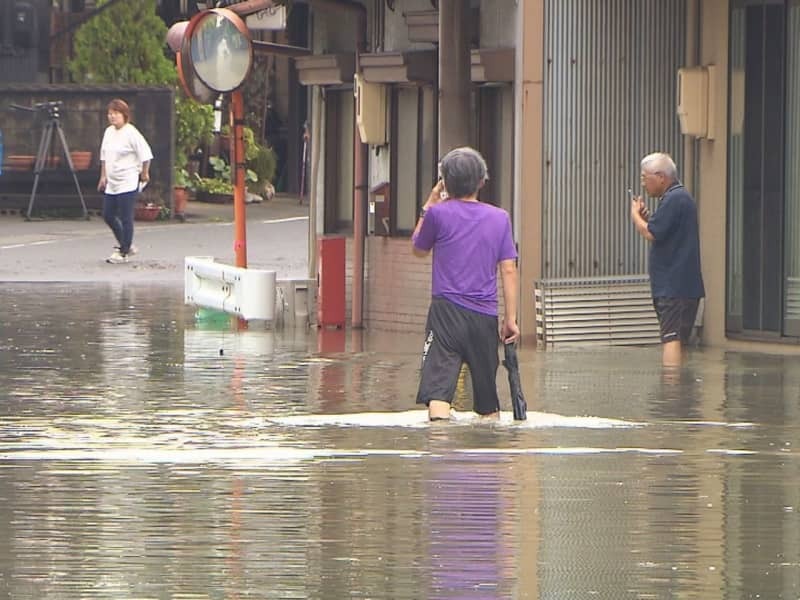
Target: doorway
{"points": [[757, 167]]}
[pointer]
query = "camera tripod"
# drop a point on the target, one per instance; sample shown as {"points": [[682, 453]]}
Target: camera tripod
{"points": [[51, 128]]}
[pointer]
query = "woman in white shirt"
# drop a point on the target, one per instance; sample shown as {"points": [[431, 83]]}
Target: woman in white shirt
{"points": [[124, 162]]}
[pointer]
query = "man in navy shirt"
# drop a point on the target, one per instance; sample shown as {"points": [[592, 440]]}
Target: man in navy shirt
{"points": [[675, 278]]}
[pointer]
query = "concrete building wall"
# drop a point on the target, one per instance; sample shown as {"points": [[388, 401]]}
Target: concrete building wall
{"points": [[711, 185], [397, 284], [497, 17], [528, 191], [395, 36], [333, 30]]}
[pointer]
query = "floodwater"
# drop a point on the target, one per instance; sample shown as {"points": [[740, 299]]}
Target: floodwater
{"points": [[146, 453]]}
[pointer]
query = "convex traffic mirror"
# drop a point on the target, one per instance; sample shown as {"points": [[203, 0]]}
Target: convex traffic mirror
{"points": [[215, 54]]}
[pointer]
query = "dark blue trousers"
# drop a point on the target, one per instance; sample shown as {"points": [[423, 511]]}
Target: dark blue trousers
{"points": [[118, 212]]}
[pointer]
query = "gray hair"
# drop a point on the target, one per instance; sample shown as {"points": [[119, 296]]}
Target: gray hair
{"points": [[660, 163], [463, 171]]}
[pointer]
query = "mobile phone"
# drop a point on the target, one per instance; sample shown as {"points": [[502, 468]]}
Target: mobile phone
{"points": [[630, 193]]}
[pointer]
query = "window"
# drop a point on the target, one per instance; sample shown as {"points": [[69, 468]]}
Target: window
{"points": [[413, 146], [339, 123]]}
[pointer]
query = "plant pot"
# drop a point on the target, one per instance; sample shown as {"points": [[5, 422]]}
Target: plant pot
{"points": [[19, 162], [81, 159], [146, 212], [180, 197], [203, 196]]}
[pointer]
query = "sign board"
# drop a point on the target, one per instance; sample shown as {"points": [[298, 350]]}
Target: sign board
{"points": [[268, 19]]}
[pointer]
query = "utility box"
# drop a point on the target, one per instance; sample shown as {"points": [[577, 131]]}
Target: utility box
{"points": [[330, 281], [696, 88], [370, 111], [380, 210]]}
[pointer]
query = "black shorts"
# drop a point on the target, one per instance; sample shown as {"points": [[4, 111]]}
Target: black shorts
{"points": [[457, 335], [676, 318]]}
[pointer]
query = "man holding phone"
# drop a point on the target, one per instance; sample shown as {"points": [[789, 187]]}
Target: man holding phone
{"points": [[469, 240], [676, 281]]}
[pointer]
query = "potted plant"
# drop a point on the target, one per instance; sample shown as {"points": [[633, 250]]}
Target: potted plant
{"points": [[212, 189], [263, 164], [219, 189], [181, 183], [148, 206], [194, 125], [146, 211]]}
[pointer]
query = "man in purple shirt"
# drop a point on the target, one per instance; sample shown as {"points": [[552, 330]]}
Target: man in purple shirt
{"points": [[469, 240]]}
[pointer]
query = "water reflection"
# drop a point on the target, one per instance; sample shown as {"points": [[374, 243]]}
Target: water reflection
{"points": [[470, 526], [141, 457]]}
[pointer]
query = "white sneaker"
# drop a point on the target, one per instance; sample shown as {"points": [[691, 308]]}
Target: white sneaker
{"points": [[133, 250], [117, 257]]}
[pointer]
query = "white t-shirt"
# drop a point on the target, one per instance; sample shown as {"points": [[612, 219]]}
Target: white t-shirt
{"points": [[123, 150]]}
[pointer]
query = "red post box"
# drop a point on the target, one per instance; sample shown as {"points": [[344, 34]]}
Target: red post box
{"points": [[330, 281]]}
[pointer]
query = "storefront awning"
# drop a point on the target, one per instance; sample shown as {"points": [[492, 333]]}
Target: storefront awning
{"points": [[326, 69], [413, 66], [492, 65]]}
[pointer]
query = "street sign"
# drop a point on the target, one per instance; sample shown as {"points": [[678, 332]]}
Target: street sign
{"points": [[273, 18]]}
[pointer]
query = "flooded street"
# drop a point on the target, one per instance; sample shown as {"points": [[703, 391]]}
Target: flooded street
{"points": [[147, 451]]}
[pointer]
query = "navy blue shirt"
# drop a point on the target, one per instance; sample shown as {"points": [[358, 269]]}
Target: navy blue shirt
{"points": [[675, 253]]}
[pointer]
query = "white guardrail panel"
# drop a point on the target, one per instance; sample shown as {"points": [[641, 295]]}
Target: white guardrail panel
{"points": [[246, 293]]}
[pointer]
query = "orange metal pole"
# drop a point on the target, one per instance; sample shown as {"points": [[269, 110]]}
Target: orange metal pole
{"points": [[237, 178]]}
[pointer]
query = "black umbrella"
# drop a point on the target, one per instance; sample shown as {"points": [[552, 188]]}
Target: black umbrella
{"points": [[517, 397]]}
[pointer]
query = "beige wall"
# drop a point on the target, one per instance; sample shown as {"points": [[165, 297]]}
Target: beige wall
{"points": [[398, 286], [528, 192], [711, 184]]}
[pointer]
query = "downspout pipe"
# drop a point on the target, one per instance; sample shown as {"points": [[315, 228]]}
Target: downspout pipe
{"points": [[360, 192], [690, 169]]}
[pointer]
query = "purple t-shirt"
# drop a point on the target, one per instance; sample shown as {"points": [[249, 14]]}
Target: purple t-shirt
{"points": [[468, 240]]}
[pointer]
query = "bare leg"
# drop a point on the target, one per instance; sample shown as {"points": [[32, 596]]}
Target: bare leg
{"points": [[495, 416], [438, 410], [672, 354]]}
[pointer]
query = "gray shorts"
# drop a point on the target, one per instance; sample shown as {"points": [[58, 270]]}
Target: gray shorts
{"points": [[457, 335], [676, 318]]}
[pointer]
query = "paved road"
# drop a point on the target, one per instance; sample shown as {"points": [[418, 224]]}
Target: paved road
{"points": [[75, 250]]}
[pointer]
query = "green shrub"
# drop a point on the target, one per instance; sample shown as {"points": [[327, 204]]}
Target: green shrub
{"points": [[194, 125], [122, 44], [212, 185], [264, 164]]}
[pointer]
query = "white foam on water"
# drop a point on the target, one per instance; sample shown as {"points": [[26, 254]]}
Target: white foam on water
{"points": [[277, 456], [419, 418], [239, 456], [569, 450], [731, 452], [742, 425]]}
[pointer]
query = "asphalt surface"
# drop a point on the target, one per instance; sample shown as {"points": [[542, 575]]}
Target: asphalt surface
{"points": [[57, 250]]}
